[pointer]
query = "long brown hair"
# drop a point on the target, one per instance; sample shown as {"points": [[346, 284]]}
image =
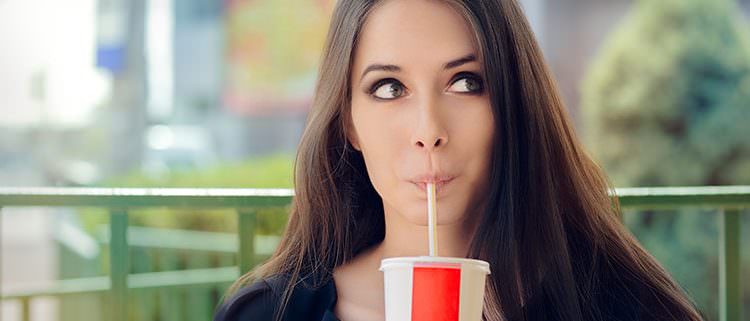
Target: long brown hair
{"points": [[550, 231]]}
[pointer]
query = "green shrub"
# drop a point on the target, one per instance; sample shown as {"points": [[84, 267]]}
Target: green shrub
{"points": [[268, 172], [667, 103]]}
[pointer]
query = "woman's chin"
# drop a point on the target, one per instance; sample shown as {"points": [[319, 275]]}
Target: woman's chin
{"points": [[419, 217]]}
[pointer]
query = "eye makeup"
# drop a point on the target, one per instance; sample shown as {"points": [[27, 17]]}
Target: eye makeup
{"points": [[475, 78]]}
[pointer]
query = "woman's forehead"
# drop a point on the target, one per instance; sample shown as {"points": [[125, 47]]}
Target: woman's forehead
{"points": [[417, 33]]}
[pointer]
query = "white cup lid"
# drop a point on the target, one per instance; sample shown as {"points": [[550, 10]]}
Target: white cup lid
{"points": [[412, 260]]}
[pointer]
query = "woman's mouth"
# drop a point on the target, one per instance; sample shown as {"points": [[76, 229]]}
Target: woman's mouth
{"points": [[440, 185]]}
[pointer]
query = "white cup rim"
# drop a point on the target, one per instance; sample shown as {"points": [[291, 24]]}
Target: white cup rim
{"points": [[410, 260]]}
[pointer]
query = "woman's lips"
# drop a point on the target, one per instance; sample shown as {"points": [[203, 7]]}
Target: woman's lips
{"points": [[439, 186]]}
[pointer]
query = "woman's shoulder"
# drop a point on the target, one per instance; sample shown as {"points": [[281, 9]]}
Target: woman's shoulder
{"points": [[260, 301], [256, 301]]}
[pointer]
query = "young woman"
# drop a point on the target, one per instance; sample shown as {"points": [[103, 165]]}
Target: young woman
{"points": [[454, 92]]}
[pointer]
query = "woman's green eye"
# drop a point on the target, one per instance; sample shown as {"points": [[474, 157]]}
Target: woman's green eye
{"points": [[388, 90], [467, 85]]}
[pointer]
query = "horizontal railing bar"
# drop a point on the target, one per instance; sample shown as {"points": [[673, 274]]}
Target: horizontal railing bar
{"points": [[144, 197], [140, 281], [726, 197], [59, 287], [635, 197], [197, 277], [162, 238], [188, 240]]}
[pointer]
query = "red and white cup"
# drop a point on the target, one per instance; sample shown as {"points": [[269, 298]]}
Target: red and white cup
{"points": [[432, 288]]}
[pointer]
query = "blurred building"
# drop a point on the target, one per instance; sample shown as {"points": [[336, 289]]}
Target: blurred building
{"points": [[142, 83]]}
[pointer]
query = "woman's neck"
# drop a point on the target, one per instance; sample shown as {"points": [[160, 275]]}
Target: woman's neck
{"points": [[404, 238]]}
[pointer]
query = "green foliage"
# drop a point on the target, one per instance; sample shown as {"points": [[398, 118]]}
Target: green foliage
{"points": [[268, 172], [668, 100]]}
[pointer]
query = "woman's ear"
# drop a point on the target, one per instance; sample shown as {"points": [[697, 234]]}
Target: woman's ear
{"points": [[353, 141], [351, 136], [350, 132]]}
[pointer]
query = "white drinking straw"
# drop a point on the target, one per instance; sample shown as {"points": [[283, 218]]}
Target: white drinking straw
{"points": [[432, 219]]}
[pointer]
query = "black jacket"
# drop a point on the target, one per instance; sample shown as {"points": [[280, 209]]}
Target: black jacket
{"points": [[619, 301], [260, 300]]}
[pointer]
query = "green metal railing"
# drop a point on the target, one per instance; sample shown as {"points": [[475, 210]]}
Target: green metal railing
{"points": [[729, 199]]}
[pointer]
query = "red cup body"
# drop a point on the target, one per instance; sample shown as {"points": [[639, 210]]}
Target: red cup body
{"points": [[430, 288]]}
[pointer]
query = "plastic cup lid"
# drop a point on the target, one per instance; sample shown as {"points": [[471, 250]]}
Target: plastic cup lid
{"points": [[412, 260]]}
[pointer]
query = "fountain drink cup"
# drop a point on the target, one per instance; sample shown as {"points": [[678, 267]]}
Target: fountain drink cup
{"points": [[433, 288]]}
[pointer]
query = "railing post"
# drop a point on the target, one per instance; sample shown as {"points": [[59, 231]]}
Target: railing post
{"points": [[25, 301], [246, 218], [119, 264], [730, 288], [26, 309]]}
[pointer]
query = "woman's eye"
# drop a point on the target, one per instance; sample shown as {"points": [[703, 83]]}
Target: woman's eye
{"points": [[467, 84], [388, 89]]}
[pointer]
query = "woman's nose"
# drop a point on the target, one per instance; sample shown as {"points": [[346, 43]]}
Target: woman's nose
{"points": [[429, 146], [430, 133]]}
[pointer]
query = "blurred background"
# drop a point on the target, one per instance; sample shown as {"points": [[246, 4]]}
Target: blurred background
{"points": [[197, 93]]}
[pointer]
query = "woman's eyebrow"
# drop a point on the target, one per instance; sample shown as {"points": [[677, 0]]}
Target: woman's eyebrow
{"points": [[393, 68], [460, 61]]}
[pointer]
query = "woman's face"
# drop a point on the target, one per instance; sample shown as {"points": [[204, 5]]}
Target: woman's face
{"points": [[420, 111]]}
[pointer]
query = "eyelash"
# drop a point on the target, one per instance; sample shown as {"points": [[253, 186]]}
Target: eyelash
{"points": [[459, 76]]}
